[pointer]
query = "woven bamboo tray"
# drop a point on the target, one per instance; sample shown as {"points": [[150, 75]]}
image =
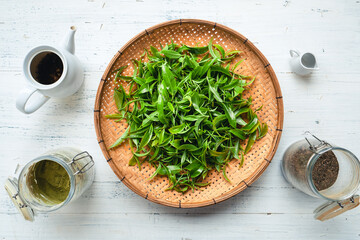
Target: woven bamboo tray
{"points": [[265, 91]]}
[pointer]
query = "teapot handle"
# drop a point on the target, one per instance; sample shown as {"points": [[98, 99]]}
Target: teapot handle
{"points": [[294, 53], [24, 96]]}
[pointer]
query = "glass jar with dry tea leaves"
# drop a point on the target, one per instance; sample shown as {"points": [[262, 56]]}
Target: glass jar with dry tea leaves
{"points": [[325, 171]]}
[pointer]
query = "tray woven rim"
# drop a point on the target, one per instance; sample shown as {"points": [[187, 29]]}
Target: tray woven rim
{"points": [[245, 183]]}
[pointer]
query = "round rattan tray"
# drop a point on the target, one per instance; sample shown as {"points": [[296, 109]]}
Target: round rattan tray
{"points": [[265, 91]]}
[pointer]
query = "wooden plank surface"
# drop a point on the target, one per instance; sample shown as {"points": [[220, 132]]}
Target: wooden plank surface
{"points": [[326, 103]]}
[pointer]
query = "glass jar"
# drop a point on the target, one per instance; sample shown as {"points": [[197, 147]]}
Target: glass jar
{"points": [[73, 167], [299, 162]]}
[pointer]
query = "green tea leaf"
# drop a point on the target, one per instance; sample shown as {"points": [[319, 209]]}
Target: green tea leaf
{"points": [[121, 139], [156, 172], [237, 64], [250, 125], [133, 161], [224, 174], [115, 116], [202, 184], [189, 147], [119, 99], [214, 91], [155, 52], [177, 129], [218, 119], [220, 49], [211, 50], [146, 139], [138, 154], [198, 50], [174, 169], [191, 118], [119, 70], [215, 153], [230, 115], [263, 130], [195, 168], [232, 53], [197, 124], [169, 79], [220, 69], [250, 142], [236, 149], [171, 54], [183, 106], [160, 106], [171, 107], [238, 133]]}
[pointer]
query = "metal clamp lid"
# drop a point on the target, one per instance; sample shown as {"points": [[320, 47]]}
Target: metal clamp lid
{"points": [[80, 156], [12, 189], [332, 209], [315, 148]]}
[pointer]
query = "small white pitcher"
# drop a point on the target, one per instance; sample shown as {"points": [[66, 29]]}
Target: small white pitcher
{"points": [[35, 94], [303, 64]]}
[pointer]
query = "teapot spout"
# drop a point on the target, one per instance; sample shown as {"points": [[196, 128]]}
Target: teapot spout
{"points": [[69, 41]]}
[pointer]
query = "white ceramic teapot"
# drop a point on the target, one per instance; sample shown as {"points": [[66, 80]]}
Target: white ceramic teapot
{"points": [[50, 72]]}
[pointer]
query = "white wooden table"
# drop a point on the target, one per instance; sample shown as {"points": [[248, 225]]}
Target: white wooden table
{"points": [[327, 103]]}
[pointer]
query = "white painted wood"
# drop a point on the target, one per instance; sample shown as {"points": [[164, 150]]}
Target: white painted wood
{"points": [[327, 103]]}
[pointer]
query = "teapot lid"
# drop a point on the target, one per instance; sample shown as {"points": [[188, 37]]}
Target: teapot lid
{"points": [[12, 189]]}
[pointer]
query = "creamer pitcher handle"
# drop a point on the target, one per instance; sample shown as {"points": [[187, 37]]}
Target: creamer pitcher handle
{"points": [[294, 53], [22, 100]]}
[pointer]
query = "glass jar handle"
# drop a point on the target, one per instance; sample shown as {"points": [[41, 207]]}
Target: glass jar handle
{"points": [[87, 166], [332, 209]]}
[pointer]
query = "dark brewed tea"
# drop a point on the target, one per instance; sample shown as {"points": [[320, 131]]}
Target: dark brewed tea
{"points": [[46, 68]]}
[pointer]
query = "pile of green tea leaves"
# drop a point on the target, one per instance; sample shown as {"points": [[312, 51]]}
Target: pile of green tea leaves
{"points": [[186, 113]]}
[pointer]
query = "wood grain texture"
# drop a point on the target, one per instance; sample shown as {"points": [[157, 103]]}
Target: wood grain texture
{"points": [[325, 103]]}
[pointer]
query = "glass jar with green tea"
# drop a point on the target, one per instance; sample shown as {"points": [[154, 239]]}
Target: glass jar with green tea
{"points": [[51, 181], [323, 170]]}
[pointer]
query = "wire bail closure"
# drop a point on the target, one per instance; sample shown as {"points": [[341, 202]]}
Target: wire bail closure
{"points": [[313, 147], [81, 156], [21, 205]]}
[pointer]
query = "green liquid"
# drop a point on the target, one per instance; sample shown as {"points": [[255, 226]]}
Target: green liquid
{"points": [[49, 182]]}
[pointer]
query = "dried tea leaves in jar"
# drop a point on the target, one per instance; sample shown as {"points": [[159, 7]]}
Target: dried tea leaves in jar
{"points": [[298, 160], [325, 171]]}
